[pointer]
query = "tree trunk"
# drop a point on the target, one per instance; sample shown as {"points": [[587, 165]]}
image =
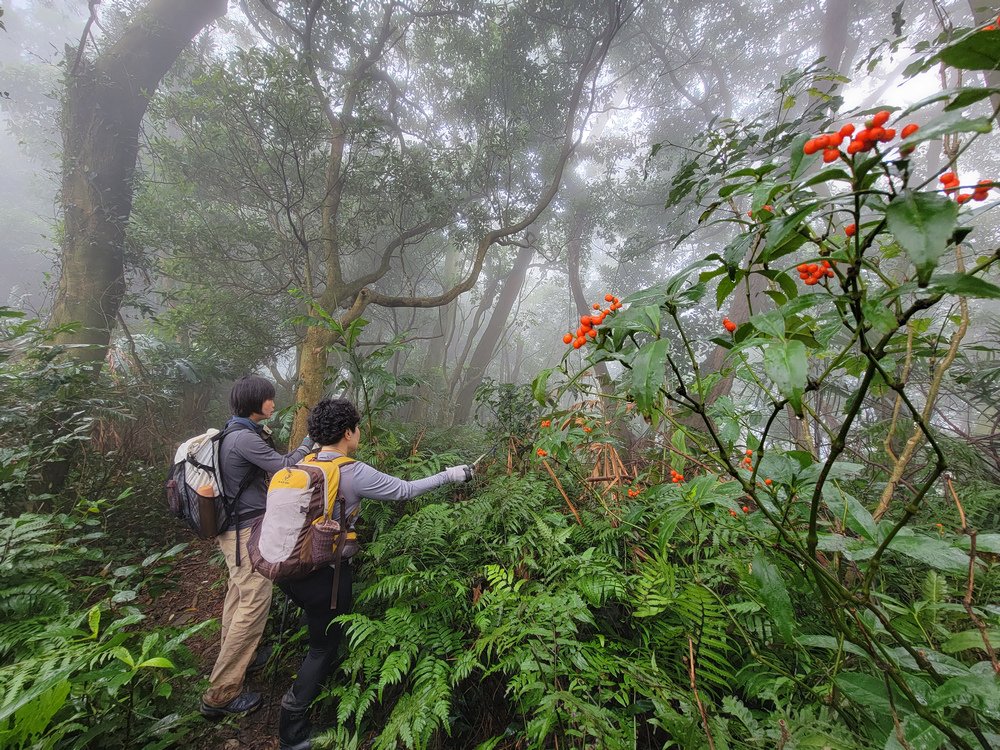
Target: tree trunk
{"points": [[483, 354], [312, 376], [105, 103]]}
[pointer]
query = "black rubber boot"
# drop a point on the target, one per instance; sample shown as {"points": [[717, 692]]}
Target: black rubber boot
{"points": [[294, 729]]}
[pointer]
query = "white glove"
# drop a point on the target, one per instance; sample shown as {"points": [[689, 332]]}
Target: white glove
{"points": [[459, 473]]}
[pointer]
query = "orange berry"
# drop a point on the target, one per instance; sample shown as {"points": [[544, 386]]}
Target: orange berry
{"points": [[732, 513], [746, 508], [579, 342], [854, 147], [830, 155], [596, 306], [846, 131], [810, 147], [749, 452], [829, 273], [881, 118], [592, 333], [768, 482], [588, 429], [888, 134], [909, 130], [964, 197], [585, 320], [542, 452], [728, 325], [568, 338], [948, 177], [851, 229], [608, 298]]}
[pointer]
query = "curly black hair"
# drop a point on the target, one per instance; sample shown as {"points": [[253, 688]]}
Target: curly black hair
{"points": [[331, 418]]}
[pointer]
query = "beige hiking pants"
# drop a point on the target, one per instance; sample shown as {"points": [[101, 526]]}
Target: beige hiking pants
{"points": [[244, 615]]}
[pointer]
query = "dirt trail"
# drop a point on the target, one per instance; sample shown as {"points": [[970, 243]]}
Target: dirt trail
{"points": [[198, 586]]}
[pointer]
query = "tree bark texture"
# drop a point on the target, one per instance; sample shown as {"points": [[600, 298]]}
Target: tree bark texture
{"points": [[106, 100]]}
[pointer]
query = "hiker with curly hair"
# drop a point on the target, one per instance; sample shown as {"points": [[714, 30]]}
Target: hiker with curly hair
{"points": [[333, 423]]}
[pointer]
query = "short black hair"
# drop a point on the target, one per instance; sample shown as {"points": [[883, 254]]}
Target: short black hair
{"points": [[249, 394], [331, 418]]}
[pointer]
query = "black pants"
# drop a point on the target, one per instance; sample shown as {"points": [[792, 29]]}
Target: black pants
{"points": [[313, 594]]}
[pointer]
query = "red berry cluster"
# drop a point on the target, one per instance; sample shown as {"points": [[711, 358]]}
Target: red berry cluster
{"points": [[676, 477], [728, 325], [766, 207], [589, 323], [950, 184], [546, 423], [748, 459], [812, 274], [542, 453], [861, 141], [633, 492]]}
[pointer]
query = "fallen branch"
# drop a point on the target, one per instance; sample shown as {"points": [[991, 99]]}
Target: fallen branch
{"points": [[970, 584], [561, 490]]}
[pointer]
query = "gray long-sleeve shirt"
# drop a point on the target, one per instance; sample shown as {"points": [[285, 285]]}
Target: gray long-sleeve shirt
{"points": [[359, 480], [240, 452]]}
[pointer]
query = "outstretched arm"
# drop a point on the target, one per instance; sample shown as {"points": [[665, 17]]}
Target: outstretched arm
{"points": [[373, 484]]}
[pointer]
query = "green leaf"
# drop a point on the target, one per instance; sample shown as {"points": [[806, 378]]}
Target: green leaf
{"points": [[795, 159], [984, 543], [786, 364], [969, 96], [978, 51], [723, 290], [648, 371], [94, 620], [122, 653], [776, 600], [865, 690], [770, 323], [922, 223], [970, 639], [157, 661], [919, 734], [883, 320], [830, 643], [979, 692], [932, 551], [949, 122], [539, 386], [966, 285], [783, 229]]}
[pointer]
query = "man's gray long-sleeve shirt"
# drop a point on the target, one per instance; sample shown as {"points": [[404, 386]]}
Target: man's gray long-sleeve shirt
{"points": [[242, 451], [359, 480]]}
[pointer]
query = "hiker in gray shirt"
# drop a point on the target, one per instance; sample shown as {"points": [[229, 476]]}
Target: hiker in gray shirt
{"points": [[247, 459], [333, 423]]}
